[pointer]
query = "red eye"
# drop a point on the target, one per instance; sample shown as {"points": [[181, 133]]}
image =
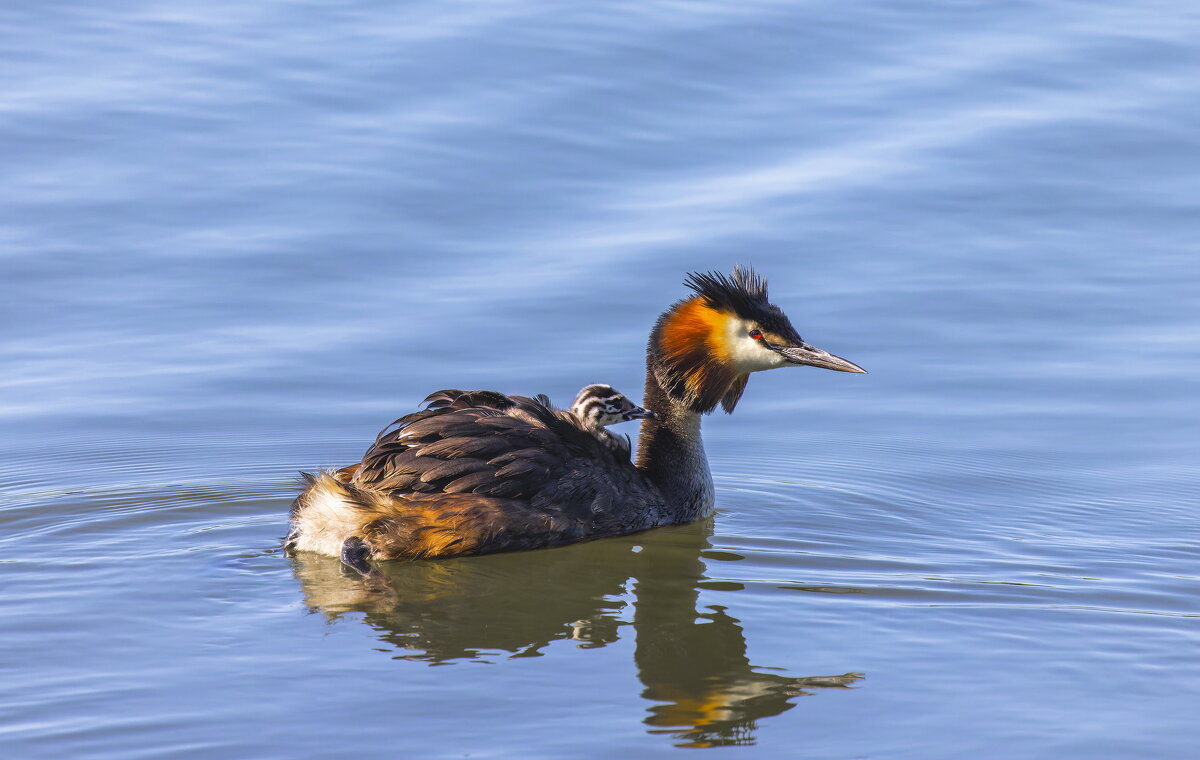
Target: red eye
{"points": [[756, 335]]}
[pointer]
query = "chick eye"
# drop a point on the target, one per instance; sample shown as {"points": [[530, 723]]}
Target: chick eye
{"points": [[756, 334]]}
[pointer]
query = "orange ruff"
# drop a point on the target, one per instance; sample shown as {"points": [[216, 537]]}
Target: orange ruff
{"points": [[692, 342]]}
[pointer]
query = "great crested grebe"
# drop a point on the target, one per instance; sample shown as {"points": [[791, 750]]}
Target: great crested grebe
{"points": [[597, 406], [478, 472]]}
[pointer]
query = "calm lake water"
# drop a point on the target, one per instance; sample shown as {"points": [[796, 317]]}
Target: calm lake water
{"points": [[236, 239]]}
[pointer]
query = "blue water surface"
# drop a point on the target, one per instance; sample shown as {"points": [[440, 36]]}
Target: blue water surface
{"points": [[236, 239]]}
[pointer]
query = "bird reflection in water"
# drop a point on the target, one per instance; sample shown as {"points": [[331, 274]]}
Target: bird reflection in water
{"points": [[692, 664]]}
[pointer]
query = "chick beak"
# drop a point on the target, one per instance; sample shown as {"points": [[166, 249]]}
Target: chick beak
{"points": [[815, 357], [638, 413]]}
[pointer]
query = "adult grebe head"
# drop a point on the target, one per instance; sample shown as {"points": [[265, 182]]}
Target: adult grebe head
{"points": [[703, 348]]}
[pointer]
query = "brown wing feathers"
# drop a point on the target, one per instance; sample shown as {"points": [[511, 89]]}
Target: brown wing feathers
{"points": [[476, 471]]}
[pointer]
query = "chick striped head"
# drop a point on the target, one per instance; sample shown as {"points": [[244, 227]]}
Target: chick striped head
{"points": [[601, 405]]}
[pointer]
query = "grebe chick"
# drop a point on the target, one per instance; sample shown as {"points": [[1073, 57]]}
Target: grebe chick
{"points": [[477, 472], [597, 406]]}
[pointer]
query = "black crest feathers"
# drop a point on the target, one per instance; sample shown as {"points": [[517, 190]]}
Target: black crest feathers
{"points": [[745, 293]]}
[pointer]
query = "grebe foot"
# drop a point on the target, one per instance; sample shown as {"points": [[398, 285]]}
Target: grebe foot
{"points": [[355, 554]]}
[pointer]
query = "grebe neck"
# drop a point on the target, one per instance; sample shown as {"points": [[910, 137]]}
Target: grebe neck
{"points": [[671, 454]]}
